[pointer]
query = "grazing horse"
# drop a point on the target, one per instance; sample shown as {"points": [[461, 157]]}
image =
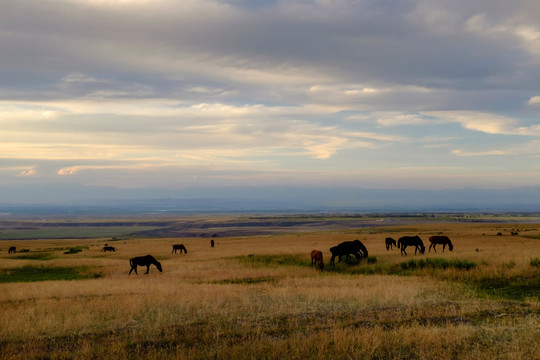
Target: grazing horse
{"points": [[12, 250], [317, 260], [390, 243], [347, 248], [144, 261], [415, 241], [444, 240], [108, 248], [180, 247]]}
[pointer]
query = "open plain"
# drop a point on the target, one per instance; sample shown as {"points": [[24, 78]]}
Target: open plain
{"points": [[257, 296]]}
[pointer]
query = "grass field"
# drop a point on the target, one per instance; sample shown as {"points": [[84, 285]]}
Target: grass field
{"points": [[258, 297]]}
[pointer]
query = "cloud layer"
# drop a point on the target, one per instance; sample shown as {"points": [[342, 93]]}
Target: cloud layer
{"points": [[213, 93]]}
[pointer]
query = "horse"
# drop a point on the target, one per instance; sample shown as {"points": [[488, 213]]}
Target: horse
{"points": [[317, 259], [12, 250], [180, 247], [347, 248], [212, 243], [440, 239], [144, 261], [390, 243], [108, 248], [415, 241]]}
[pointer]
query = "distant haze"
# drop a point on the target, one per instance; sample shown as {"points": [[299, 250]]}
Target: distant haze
{"points": [[267, 199]]}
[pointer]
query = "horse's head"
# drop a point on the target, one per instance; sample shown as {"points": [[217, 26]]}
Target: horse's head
{"points": [[158, 265], [450, 246]]}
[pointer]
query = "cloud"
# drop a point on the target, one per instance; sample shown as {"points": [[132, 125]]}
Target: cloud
{"points": [[481, 153], [125, 86], [535, 100]]}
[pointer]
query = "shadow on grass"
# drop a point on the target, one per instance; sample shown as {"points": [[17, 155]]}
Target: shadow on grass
{"points": [[34, 274]]}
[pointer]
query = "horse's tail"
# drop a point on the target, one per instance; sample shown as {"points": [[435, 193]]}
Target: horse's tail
{"points": [[399, 244]]}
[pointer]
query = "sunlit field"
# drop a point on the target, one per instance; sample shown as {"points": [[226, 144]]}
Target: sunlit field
{"points": [[259, 297]]}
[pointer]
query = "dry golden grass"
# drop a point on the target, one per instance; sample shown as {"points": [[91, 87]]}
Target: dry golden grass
{"points": [[211, 304]]}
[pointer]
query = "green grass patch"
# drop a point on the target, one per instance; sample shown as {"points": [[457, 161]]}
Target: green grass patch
{"points": [[353, 266], [75, 249], [275, 260], [42, 273], [519, 287], [246, 280], [34, 256], [437, 263], [63, 232], [534, 237], [535, 262]]}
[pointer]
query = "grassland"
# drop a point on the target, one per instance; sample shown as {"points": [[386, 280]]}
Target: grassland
{"points": [[258, 297]]}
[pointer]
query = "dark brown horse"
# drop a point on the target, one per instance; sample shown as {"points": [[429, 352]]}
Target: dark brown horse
{"points": [[390, 243], [212, 243], [317, 259], [180, 247], [144, 261], [12, 250], [108, 248], [415, 241], [440, 239], [347, 248]]}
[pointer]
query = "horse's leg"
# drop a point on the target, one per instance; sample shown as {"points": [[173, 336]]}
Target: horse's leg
{"points": [[443, 247], [147, 269], [403, 249]]}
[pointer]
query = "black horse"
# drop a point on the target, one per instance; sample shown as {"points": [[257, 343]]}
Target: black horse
{"points": [[415, 241], [347, 248], [440, 239], [12, 250], [108, 248], [180, 247], [390, 243], [144, 261]]}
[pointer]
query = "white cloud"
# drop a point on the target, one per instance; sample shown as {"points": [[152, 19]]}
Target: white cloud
{"points": [[459, 152], [535, 100]]}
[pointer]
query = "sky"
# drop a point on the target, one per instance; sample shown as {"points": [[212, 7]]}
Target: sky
{"points": [[172, 94]]}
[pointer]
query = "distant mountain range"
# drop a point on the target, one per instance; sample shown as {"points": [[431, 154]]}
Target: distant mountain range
{"points": [[73, 198]]}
